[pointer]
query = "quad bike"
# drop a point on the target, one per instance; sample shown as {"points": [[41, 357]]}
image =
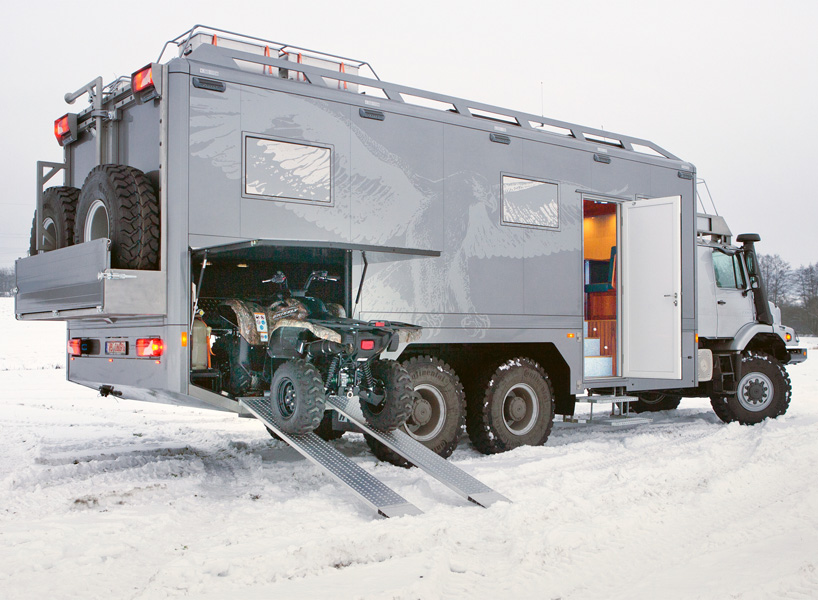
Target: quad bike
{"points": [[301, 350]]}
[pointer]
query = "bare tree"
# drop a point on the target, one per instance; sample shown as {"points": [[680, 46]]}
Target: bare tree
{"points": [[777, 275], [6, 281]]}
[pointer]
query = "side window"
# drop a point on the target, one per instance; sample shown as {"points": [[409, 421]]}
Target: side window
{"points": [[728, 270], [530, 203], [287, 171]]}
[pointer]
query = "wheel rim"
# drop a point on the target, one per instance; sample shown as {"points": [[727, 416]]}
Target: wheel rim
{"points": [[520, 409], [428, 414], [755, 391], [285, 398], [96, 223], [651, 397], [49, 241]]}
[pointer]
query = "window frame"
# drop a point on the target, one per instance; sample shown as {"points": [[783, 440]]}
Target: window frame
{"points": [[735, 260], [283, 140], [507, 223]]}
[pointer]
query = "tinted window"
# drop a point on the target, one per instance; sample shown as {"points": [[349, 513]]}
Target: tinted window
{"points": [[286, 170], [527, 202]]}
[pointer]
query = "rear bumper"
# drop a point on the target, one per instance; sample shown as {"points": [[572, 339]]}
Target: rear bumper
{"points": [[797, 355]]}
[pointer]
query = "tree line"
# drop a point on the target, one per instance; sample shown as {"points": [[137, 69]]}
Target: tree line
{"points": [[6, 281], [794, 291]]}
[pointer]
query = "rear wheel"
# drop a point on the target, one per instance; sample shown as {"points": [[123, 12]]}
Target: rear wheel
{"points": [[398, 397], [297, 397], [57, 220], [763, 391], [117, 202], [654, 402], [438, 410], [516, 409]]}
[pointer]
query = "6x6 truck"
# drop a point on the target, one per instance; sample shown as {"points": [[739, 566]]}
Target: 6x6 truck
{"points": [[462, 263]]}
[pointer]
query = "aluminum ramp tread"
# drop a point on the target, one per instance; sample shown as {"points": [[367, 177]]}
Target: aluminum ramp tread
{"points": [[372, 491], [419, 455]]}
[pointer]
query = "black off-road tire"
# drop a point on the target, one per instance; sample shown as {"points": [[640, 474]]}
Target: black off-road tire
{"points": [[516, 409], [763, 391], [132, 212], [235, 378], [325, 430], [297, 397], [654, 402], [437, 390], [398, 396], [58, 217]]}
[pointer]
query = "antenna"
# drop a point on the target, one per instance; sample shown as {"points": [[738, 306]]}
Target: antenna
{"points": [[542, 102]]}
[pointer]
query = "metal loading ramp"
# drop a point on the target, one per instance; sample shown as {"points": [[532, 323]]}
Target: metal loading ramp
{"points": [[373, 492], [419, 455]]}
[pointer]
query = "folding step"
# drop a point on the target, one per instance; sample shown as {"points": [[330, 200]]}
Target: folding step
{"points": [[419, 455], [372, 491], [591, 347]]}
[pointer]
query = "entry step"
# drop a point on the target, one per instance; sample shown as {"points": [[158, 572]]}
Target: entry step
{"points": [[615, 421], [603, 399]]}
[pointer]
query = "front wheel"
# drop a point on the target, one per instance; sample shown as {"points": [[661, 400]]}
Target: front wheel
{"points": [[763, 391], [297, 397], [397, 391]]}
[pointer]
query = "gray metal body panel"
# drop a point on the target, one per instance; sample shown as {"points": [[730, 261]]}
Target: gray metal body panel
{"points": [[419, 181]]}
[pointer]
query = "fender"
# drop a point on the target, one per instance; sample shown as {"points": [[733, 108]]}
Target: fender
{"points": [[246, 315], [744, 336]]}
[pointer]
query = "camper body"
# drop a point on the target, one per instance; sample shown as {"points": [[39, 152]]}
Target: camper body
{"points": [[566, 255]]}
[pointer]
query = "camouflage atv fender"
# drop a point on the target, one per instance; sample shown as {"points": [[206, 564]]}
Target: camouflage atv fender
{"points": [[251, 317]]}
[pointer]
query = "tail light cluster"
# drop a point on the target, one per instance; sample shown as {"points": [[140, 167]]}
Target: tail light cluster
{"points": [[150, 347], [146, 83], [145, 347], [65, 129]]}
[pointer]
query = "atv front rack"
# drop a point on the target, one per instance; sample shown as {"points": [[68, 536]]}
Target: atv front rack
{"points": [[373, 492]]}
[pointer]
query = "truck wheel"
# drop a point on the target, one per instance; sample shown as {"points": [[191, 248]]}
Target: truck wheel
{"points": [[235, 377], [516, 409], [654, 402], [117, 202], [297, 397], [438, 410], [398, 396], [59, 214], [763, 391]]}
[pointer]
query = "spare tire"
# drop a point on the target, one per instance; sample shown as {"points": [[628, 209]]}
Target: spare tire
{"points": [[117, 202], [57, 220]]}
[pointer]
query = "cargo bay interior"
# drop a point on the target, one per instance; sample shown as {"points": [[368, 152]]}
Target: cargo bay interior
{"points": [[600, 279], [240, 272]]}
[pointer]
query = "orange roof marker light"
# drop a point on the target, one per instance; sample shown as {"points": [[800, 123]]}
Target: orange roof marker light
{"points": [[145, 83]]}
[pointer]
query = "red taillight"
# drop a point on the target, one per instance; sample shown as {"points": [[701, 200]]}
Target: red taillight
{"points": [[367, 344], [65, 129], [143, 79], [150, 347], [380, 324], [75, 346]]}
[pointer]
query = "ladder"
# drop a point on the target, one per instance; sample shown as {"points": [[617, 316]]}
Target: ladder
{"points": [[373, 492]]}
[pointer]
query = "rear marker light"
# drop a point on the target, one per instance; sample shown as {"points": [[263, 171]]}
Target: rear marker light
{"points": [[367, 344], [145, 83], [65, 129], [380, 324], [150, 347]]}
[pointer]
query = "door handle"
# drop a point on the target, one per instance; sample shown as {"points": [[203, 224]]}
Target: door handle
{"points": [[721, 302]]}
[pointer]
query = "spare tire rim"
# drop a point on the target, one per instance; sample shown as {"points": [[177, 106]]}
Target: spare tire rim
{"points": [[49, 241], [521, 409], [96, 222], [755, 391], [428, 415]]}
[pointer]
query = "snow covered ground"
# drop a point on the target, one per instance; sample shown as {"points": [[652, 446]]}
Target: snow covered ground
{"points": [[106, 498]]}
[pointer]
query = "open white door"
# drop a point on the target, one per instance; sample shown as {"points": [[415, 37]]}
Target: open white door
{"points": [[651, 288]]}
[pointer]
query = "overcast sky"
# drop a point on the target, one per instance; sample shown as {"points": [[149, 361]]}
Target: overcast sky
{"points": [[729, 86]]}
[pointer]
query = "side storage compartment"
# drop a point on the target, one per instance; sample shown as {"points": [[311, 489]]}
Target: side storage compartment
{"points": [[78, 281]]}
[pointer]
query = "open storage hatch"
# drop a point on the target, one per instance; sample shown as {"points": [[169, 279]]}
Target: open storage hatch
{"points": [[78, 282]]}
